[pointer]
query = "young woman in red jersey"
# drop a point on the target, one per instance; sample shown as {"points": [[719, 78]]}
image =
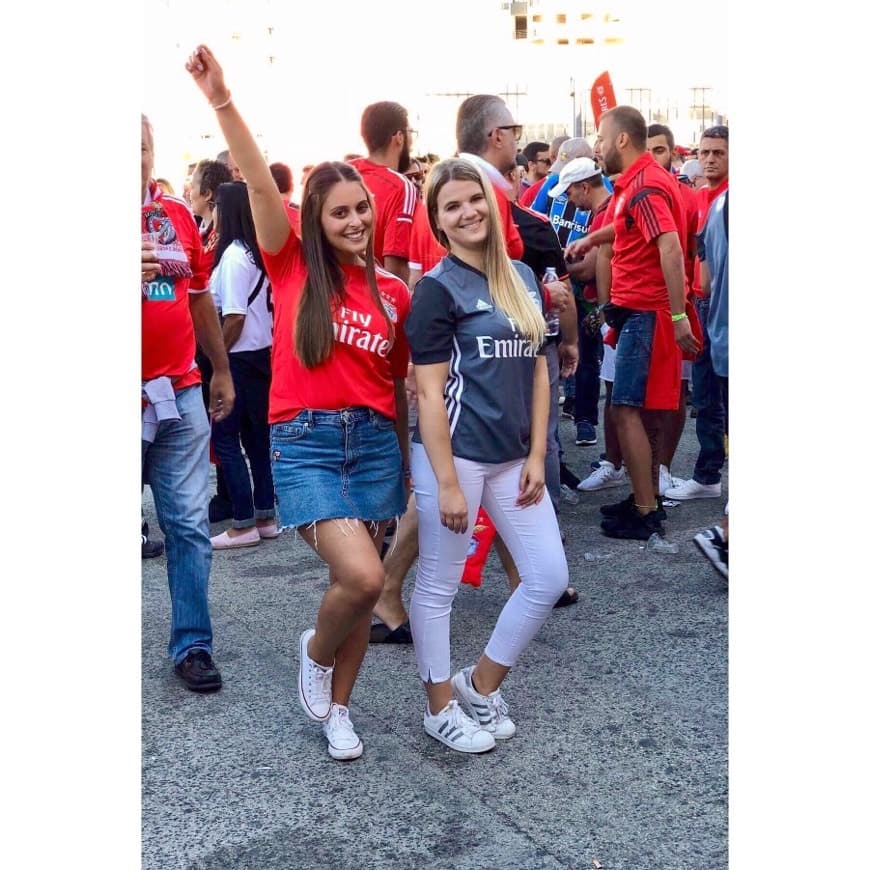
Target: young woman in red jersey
{"points": [[337, 405]]}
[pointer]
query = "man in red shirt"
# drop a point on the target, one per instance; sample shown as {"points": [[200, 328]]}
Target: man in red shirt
{"points": [[384, 128], [707, 398], [486, 134], [660, 143], [647, 284], [178, 312]]}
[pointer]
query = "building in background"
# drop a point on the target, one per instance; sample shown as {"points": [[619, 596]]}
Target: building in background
{"points": [[586, 37]]}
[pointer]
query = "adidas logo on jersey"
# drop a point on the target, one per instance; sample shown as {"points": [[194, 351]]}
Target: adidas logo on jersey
{"points": [[483, 306]]}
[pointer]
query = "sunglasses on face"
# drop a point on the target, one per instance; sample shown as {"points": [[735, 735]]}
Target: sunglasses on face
{"points": [[516, 129]]}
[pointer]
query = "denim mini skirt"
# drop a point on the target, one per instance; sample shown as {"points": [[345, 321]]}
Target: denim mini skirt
{"points": [[337, 464]]}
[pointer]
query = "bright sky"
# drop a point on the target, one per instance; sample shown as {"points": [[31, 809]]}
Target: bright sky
{"points": [[332, 59]]}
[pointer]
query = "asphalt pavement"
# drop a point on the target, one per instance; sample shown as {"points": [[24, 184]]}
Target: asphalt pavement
{"points": [[619, 762]]}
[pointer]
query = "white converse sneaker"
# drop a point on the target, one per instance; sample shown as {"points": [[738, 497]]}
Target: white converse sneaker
{"points": [[338, 730], [692, 489], [489, 711], [454, 729], [606, 475], [315, 683]]}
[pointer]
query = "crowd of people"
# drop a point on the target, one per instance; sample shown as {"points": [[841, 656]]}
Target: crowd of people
{"points": [[385, 363]]}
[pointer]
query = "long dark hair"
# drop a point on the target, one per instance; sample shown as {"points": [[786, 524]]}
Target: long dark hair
{"points": [[235, 222], [324, 286]]}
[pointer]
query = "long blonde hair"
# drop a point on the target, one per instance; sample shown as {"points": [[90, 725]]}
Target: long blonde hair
{"points": [[508, 290]]}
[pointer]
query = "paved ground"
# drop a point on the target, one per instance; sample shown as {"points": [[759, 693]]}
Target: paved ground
{"points": [[620, 759]]}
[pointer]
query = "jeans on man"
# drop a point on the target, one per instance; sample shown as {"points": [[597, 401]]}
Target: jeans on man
{"points": [[247, 425], [587, 377], [707, 399], [176, 467]]}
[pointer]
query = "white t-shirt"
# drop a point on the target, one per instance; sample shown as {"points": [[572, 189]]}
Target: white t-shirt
{"points": [[231, 284]]}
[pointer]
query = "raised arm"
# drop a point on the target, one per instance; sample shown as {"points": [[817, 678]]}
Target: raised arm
{"points": [[270, 217]]}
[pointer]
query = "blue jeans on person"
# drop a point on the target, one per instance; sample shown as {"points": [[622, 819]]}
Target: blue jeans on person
{"points": [[707, 399], [551, 460], [176, 467], [247, 425], [587, 377]]}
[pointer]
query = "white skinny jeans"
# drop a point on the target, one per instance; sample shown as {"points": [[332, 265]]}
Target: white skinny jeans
{"points": [[532, 537]]}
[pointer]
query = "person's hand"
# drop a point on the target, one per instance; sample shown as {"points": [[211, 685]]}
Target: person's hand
{"points": [[411, 386], [208, 75], [222, 396], [150, 263], [560, 295], [532, 482], [453, 508], [569, 358], [576, 249], [685, 337]]}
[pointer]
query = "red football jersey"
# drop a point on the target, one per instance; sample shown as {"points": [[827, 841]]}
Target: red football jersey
{"points": [[363, 363], [645, 204], [168, 341]]}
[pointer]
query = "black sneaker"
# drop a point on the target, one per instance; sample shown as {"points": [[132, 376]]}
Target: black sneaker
{"points": [[219, 509], [198, 672], [711, 543], [151, 549], [626, 506], [568, 477], [632, 526], [568, 409]]}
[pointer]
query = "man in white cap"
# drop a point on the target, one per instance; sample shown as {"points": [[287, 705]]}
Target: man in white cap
{"points": [[570, 223]]}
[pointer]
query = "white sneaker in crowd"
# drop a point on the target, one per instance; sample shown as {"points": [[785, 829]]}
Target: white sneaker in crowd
{"points": [[666, 481], [315, 683], [454, 729], [606, 475], [489, 711], [338, 730], [692, 489]]}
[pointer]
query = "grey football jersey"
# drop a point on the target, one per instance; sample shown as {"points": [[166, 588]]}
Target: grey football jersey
{"points": [[491, 374]]}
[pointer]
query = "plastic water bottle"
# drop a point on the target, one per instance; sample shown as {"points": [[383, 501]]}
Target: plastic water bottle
{"points": [[551, 317]]}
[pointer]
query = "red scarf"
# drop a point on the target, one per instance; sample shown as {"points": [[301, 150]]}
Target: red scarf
{"points": [[170, 253]]}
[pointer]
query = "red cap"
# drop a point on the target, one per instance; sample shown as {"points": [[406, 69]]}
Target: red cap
{"points": [[683, 152]]}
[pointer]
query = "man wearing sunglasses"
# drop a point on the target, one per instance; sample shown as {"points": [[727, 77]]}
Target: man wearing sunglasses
{"points": [[538, 155]]}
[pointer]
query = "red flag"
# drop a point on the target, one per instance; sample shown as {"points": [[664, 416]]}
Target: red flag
{"points": [[602, 95]]}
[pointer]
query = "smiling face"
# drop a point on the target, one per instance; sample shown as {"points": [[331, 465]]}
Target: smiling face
{"points": [[347, 219], [463, 216]]}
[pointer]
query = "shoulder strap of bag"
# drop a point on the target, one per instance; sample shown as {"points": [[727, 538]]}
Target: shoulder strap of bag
{"points": [[256, 291]]}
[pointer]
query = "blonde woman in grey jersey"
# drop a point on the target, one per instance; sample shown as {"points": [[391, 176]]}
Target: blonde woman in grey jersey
{"points": [[476, 335]]}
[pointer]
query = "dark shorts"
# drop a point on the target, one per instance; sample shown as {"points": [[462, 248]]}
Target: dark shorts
{"points": [[335, 464], [632, 363]]}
